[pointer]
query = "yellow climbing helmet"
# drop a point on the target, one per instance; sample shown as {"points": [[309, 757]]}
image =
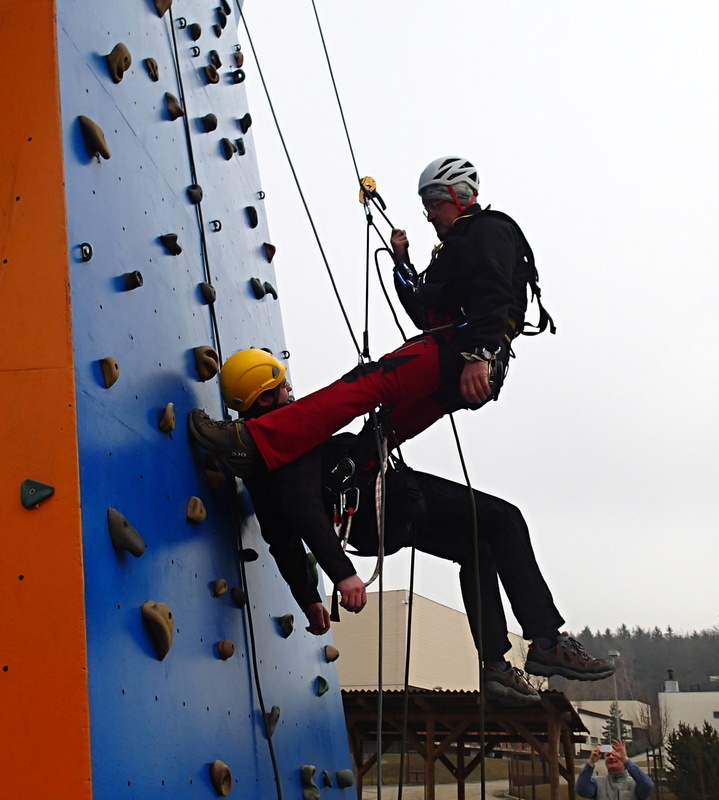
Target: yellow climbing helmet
{"points": [[248, 373]]}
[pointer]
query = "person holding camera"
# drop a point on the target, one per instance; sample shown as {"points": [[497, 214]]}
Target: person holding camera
{"points": [[624, 779]]}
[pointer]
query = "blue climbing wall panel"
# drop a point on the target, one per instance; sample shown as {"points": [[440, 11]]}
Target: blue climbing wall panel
{"points": [[156, 725]]}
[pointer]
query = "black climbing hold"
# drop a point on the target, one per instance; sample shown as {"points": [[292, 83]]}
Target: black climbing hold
{"points": [[245, 122], [322, 686], [239, 57], [195, 51], [110, 371], [217, 29], [270, 251], [152, 69], [132, 280], [257, 288], [94, 138], [327, 779], [345, 778], [174, 109], [216, 225], [222, 18], [239, 596], [252, 220], [161, 6], [248, 554], [209, 123], [208, 292], [169, 242], [32, 493], [284, 354], [238, 76], [226, 7], [194, 192], [272, 717], [118, 62], [241, 149], [195, 31], [228, 149], [85, 251], [261, 195], [181, 22], [123, 535], [270, 289], [212, 75], [286, 624], [207, 362], [215, 59]]}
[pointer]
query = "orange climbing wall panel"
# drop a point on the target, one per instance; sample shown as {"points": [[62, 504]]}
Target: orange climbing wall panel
{"points": [[44, 741]]}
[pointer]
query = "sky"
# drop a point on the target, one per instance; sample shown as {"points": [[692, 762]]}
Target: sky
{"points": [[594, 125]]}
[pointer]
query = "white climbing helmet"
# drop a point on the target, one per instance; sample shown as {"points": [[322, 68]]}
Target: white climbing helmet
{"points": [[449, 171]]}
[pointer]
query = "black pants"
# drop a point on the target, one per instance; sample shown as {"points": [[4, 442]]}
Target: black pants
{"points": [[441, 525]]}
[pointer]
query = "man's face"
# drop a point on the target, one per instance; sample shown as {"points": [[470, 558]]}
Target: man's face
{"points": [[441, 213], [284, 396], [613, 763]]}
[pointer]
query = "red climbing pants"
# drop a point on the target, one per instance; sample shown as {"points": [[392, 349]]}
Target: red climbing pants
{"points": [[408, 380]]}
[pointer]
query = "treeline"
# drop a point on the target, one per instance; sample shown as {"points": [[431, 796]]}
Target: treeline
{"points": [[646, 657]]}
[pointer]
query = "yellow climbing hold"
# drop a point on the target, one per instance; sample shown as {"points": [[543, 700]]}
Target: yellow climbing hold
{"points": [[287, 624], [331, 653], [118, 62], [207, 362], [220, 587], [221, 778], [196, 511], [110, 371], [159, 620], [167, 419]]}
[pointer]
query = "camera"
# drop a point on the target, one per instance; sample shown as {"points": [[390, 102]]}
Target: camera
{"points": [[605, 748]]}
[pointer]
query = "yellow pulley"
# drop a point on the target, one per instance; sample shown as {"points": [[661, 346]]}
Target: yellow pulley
{"points": [[368, 187]]}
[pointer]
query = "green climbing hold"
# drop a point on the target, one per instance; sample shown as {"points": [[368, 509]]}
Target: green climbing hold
{"points": [[32, 493], [345, 778], [123, 535], [118, 62], [287, 624], [94, 138], [310, 790], [174, 109], [322, 686]]}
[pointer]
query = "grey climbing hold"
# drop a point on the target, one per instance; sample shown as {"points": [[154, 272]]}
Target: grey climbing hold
{"points": [[207, 362], [252, 219], [248, 555], [123, 535], [257, 288], [322, 686], [174, 109], [221, 778], [194, 192], [310, 790], [239, 596], [110, 371], [153, 70], [228, 148], [238, 76], [221, 18], [219, 587], [331, 653], [272, 717], [132, 280], [245, 122], [32, 493], [209, 123], [169, 242], [345, 778], [195, 31], [161, 6], [215, 59], [225, 649], [211, 73], [270, 289], [239, 58], [118, 62], [94, 138], [167, 419], [286, 624], [327, 779], [208, 292], [270, 251], [160, 622], [241, 149], [196, 511]]}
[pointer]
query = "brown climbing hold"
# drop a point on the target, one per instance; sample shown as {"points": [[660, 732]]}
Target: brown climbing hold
{"points": [[196, 511], [225, 649], [272, 717], [194, 192], [239, 58], [270, 289], [211, 73], [161, 6], [169, 242], [217, 29], [219, 588], [207, 362], [222, 18], [174, 109], [287, 624], [245, 122], [345, 778], [226, 7], [252, 219], [208, 292], [94, 138], [228, 148], [270, 251], [152, 69], [167, 419], [322, 686], [209, 123], [257, 288], [123, 535], [195, 31], [215, 59], [110, 371], [159, 620], [239, 596], [310, 790], [118, 62], [221, 778], [331, 653]]}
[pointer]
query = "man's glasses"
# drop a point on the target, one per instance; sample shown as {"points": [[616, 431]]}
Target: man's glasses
{"points": [[432, 205]]}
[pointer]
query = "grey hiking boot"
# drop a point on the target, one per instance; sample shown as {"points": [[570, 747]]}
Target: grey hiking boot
{"points": [[569, 659], [228, 440], [508, 687]]}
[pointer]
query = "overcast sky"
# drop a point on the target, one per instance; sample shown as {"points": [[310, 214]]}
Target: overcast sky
{"points": [[595, 126]]}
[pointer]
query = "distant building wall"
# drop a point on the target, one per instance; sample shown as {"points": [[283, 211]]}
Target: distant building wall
{"points": [[691, 708]]}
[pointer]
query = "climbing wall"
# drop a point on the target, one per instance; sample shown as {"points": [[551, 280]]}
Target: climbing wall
{"points": [[163, 670]]}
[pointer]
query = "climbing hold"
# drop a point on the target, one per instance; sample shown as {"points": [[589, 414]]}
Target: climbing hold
{"points": [[207, 362], [208, 292], [161, 6], [241, 149], [331, 653], [239, 596], [195, 51], [239, 58], [257, 288], [221, 778], [211, 73], [238, 76], [217, 29], [214, 57], [169, 241], [322, 686], [225, 649], [245, 122], [287, 624], [345, 778], [219, 588], [196, 511], [167, 419], [181, 23], [327, 779], [270, 289], [226, 7], [251, 212], [85, 252], [110, 371], [272, 717], [195, 31], [132, 280], [270, 251], [213, 472], [159, 620], [209, 123], [118, 62], [32, 493], [174, 109], [228, 148], [94, 138], [216, 225], [194, 192], [123, 535], [152, 69], [310, 790], [221, 18], [261, 195], [248, 555]]}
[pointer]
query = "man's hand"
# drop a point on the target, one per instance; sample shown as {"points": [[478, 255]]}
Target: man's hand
{"points": [[474, 382], [620, 750], [319, 618], [354, 593], [594, 756], [400, 245]]}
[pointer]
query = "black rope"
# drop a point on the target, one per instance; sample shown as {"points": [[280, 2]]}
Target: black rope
{"points": [[408, 647]]}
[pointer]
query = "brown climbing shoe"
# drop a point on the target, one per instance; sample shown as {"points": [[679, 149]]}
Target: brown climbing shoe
{"points": [[228, 440], [508, 687], [569, 659]]}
